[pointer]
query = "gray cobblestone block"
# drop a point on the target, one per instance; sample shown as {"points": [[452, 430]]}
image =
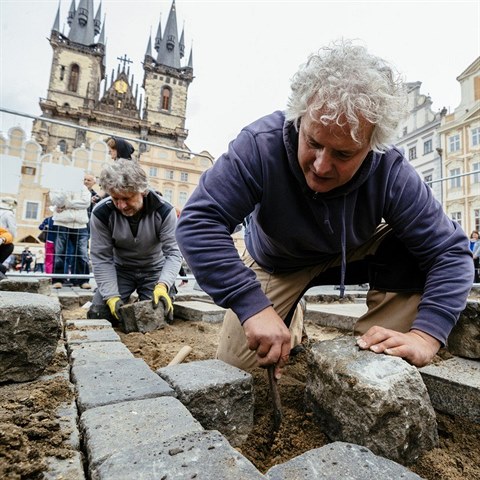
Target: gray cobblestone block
{"points": [[342, 316], [27, 285], [118, 428], [340, 461], [142, 317], [197, 311], [464, 339], [330, 298], [370, 399], [454, 387], [68, 300], [199, 455], [91, 353], [89, 324], [115, 381], [65, 469], [30, 327], [75, 337], [218, 395]]}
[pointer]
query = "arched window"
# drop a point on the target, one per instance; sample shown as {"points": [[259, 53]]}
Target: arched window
{"points": [[73, 79], [166, 98]]}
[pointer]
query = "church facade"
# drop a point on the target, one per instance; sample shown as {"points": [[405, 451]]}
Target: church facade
{"points": [[84, 106]]}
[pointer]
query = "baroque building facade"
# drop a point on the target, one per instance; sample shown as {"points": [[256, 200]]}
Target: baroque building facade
{"points": [[460, 143], [84, 106], [419, 138]]}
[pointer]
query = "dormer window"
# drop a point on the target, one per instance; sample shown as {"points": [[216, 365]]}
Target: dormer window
{"points": [[170, 42], [82, 16]]}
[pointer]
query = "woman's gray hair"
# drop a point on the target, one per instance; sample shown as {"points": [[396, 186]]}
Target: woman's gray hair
{"points": [[123, 176], [344, 84]]}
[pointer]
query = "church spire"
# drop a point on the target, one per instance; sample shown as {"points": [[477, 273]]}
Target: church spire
{"points": [[71, 13], [190, 58], [82, 29], [97, 22], [56, 23], [158, 37], [148, 51], [169, 49], [182, 43], [101, 39]]}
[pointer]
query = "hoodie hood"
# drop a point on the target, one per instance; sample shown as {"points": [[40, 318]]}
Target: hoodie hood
{"points": [[124, 148]]}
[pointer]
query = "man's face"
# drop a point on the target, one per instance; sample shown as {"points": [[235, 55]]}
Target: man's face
{"points": [[328, 156], [127, 202], [89, 181]]}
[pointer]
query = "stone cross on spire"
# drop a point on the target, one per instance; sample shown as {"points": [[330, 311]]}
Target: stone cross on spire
{"points": [[124, 60]]}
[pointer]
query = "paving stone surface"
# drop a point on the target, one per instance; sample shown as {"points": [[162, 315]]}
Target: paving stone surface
{"points": [[454, 387], [118, 428], [464, 339], [377, 401], [89, 324], [218, 395], [142, 317], [26, 284], [342, 316], [30, 326], [87, 336], [197, 311], [199, 455], [65, 469], [340, 461], [68, 299], [92, 353], [115, 381]]}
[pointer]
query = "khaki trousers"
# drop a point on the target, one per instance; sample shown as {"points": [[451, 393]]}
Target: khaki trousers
{"points": [[391, 310]]}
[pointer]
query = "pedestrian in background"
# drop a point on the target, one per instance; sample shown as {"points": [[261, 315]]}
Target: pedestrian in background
{"points": [[119, 148], [8, 231]]}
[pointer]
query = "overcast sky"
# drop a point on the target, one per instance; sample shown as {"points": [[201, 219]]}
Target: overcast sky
{"points": [[245, 52]]}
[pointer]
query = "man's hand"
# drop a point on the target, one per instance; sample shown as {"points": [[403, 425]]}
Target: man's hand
{"points": [[160, 294], [268, 335], [416, 347], [114, 305]]}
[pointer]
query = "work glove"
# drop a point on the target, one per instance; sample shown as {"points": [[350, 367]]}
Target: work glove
{"points": [[160, 294], [114, 305]]}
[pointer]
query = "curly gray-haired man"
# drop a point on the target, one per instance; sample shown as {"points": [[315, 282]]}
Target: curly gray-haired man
{"points": [[329, 202], [133, 244]]}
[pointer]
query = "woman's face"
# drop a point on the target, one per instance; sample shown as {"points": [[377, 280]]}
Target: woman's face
{"points": [[474, 236], [113, 152]]}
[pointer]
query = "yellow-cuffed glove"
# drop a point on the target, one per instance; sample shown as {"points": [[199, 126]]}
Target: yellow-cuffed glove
{"points": [[160, 294], [114, 305]]}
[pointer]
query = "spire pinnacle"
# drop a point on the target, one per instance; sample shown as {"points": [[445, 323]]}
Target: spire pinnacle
{"points": [[97, 22], [158, 37], [56, 23]]}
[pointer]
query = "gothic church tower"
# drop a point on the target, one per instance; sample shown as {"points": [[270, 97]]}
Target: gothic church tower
{"points": [[166, 82], [78, 67]]}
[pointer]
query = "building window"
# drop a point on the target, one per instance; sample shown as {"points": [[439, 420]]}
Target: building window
{"points": [[412, 153], [28, 170], [183, 177], [427, 147], [31, 210], [454, 143], [428, 179], [62, 145], [457, 181], [74, 76], [166, 98], [476, 175], [62, 72], [168, 194], [476, 219], [153, 171], [168, 174], [182, 198], [457, 216], [475, 136]]}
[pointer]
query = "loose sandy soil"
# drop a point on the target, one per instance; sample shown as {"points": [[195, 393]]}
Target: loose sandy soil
{"points": [[29, 428]]}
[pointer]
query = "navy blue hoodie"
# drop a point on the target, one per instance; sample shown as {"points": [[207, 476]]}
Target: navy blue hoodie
{"points": [[292, 227]]}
